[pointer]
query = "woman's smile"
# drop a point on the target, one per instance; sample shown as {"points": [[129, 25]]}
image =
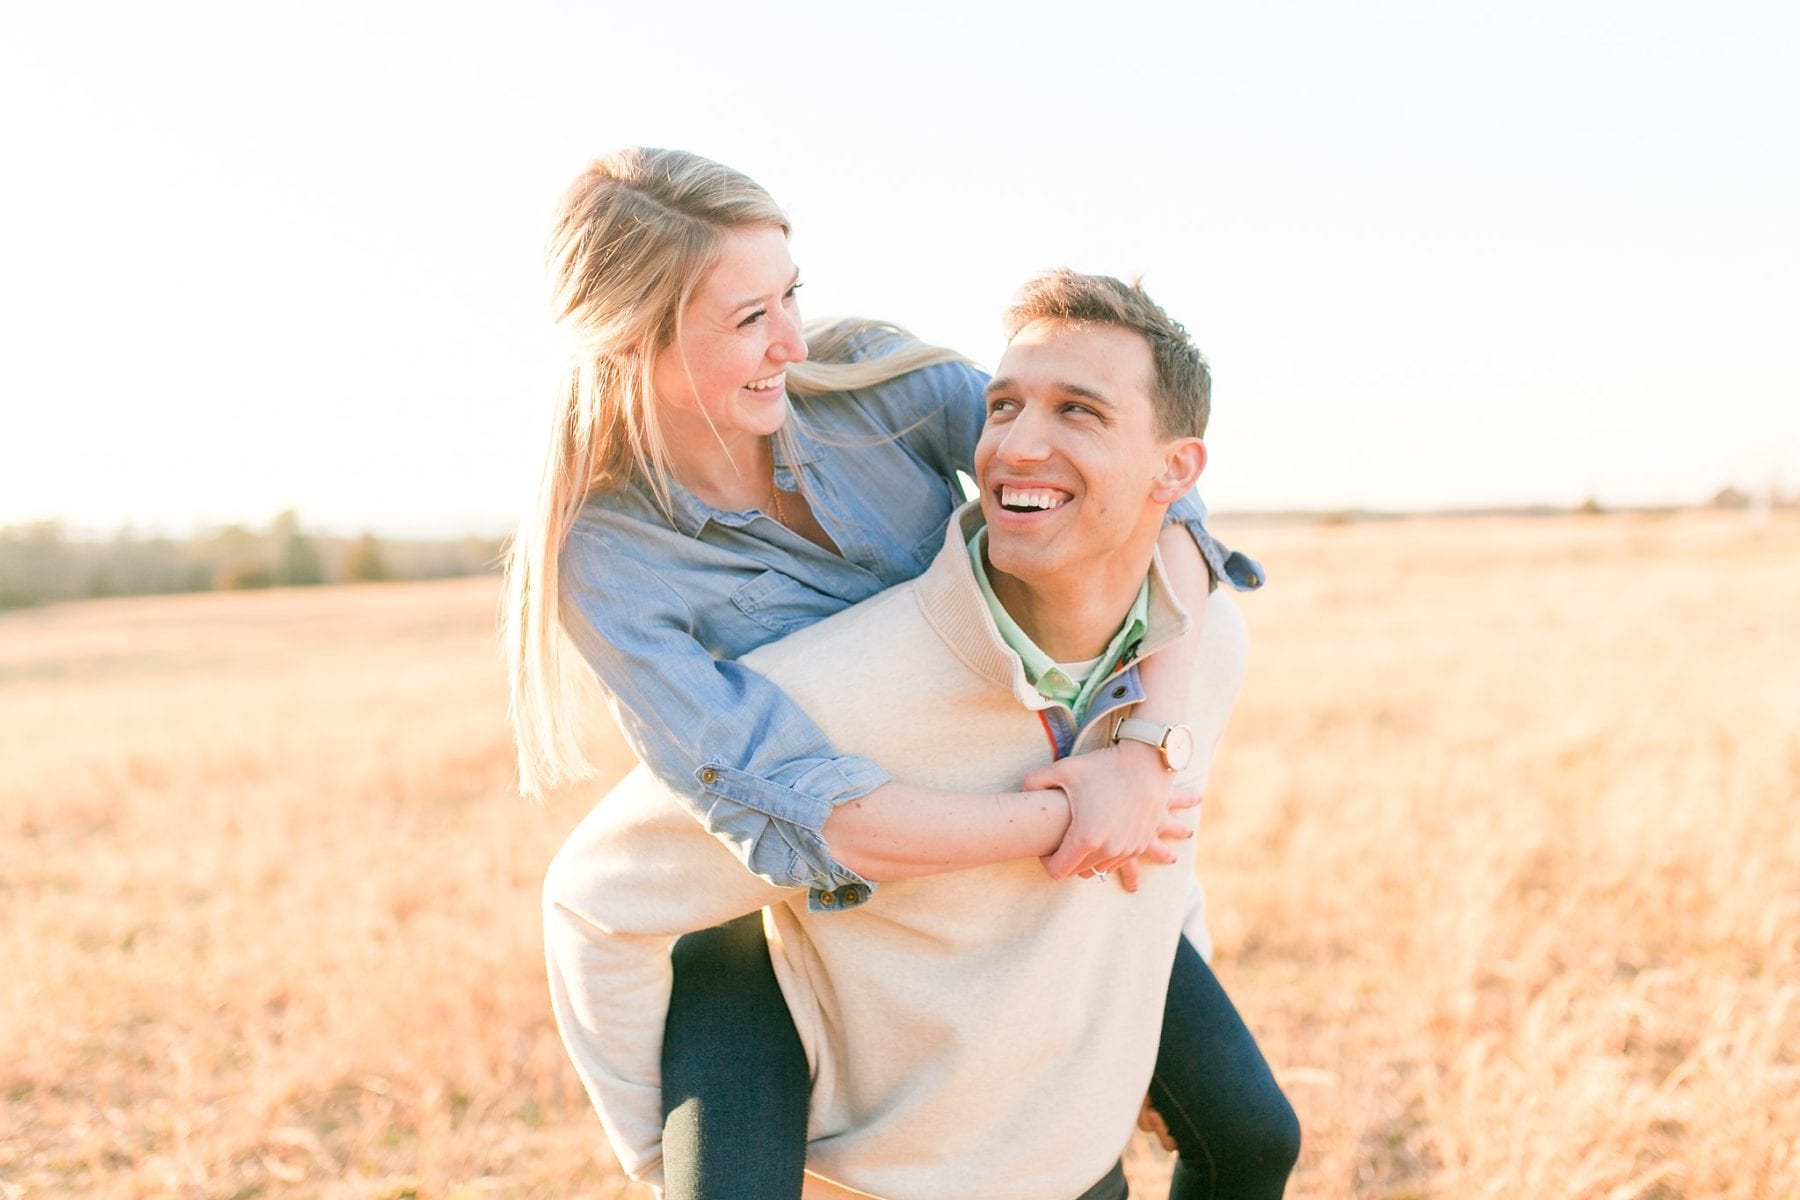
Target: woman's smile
{"points": [[738, 335]]}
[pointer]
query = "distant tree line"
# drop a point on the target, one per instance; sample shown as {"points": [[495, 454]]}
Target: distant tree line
{"points": [[44, 562]]}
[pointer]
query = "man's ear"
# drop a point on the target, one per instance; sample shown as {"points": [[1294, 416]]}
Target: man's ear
{"points": [[1183, 460]]}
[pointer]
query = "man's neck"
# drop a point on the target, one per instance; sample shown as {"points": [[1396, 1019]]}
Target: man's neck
{"points": [[1069, 620]]}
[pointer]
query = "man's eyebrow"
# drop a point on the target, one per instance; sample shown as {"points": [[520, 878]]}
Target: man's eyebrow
{"points": [[1004, 384], [1086, 393], [741, 305]]}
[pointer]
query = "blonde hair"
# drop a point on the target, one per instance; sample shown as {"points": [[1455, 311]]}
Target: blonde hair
{"points": [[633, 237]]}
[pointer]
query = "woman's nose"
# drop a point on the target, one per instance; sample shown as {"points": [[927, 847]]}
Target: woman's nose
{"points": [[790, 341]]}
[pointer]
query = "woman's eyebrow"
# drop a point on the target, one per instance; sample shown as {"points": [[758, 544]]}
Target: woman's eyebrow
{"points": [[741, 305]]}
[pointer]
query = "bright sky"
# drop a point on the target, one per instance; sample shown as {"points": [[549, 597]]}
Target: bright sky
{"points": [[268, 255]]}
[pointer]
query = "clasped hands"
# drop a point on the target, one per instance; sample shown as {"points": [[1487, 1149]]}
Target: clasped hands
{"points": [[1123, 809]]}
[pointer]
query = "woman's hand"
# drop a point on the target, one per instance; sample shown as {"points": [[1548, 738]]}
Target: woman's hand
{"points": [[1121, 806]]}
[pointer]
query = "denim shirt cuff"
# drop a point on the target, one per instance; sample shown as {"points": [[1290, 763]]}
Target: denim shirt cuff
{"points": [[1241, 571], [790, 819]]}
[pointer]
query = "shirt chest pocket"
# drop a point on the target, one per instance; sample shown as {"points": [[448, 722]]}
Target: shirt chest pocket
{"points": [[781, 604]]}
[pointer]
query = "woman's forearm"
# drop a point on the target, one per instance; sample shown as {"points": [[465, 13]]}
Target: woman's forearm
{"points": [[901, 831], [1168, 675]]}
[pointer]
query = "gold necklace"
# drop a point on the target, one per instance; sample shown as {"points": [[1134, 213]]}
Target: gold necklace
{"points": [[775, 506]]}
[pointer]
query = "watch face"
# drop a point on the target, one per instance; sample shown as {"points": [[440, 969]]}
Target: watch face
{"points": [[1178, 747]]}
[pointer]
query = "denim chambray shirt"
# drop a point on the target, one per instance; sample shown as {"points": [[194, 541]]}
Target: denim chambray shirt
{"points": [[667, 610]]}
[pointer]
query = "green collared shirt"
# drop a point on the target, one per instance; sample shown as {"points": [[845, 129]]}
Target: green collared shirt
{"points": [[1050, 678]]}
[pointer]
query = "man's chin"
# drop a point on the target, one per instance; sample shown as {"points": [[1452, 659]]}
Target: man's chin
{"points": [[1023, 562]]}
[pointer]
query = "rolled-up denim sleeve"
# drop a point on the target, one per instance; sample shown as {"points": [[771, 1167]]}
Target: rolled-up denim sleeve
{"points": [[736, 751], [1239, 570]]}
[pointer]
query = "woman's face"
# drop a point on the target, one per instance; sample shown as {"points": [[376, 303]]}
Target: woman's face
{"points": [[738, 334]]}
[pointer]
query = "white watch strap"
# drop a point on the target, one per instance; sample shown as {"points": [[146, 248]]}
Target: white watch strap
{"points": [[1148, 732]]}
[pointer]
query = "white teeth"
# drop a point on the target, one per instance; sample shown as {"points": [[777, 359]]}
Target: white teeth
{"points": [[763, 385], [1013, 497]]}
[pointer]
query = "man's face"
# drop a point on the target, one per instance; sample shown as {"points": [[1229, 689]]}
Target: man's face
{"points": [[1072, 470]]}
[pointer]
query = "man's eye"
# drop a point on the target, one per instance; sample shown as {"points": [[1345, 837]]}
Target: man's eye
{"points": [[998, 406]]}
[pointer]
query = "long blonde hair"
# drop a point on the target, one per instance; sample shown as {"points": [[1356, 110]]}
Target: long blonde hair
{"points": [[632, 238]]}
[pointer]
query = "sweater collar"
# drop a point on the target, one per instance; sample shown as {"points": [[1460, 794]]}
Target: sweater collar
{"points": [[952, 602]]}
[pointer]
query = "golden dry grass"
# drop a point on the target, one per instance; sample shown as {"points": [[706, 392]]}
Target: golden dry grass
{"points": [[1501, 854]]}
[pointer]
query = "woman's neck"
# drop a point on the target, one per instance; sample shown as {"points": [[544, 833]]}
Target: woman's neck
{"points": [[726, 470]]}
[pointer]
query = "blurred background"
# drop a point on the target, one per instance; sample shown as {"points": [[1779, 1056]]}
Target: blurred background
{"points": [[1500, 303], [278, 257]]}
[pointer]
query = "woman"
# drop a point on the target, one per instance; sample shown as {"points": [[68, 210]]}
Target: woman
{"points": [[685, 517]]}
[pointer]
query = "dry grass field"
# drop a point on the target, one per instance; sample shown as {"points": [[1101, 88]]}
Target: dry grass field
{"points": [[1501, 850]]}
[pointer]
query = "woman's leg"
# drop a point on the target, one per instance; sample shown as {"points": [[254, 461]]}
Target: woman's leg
{"points": [[735, 1081], [1237, 1135]]}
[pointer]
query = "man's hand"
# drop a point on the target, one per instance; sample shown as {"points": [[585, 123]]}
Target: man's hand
{"points": [[1151, 1122], [1120, 804]]}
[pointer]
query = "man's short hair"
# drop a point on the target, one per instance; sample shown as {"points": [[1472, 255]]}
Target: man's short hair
{"points": [[1182, 390]]}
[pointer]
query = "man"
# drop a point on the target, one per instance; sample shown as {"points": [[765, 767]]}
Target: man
{"points": [[987, 1032]]}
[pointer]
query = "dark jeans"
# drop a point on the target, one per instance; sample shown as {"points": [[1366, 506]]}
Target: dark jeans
{"points": [[735, 1082], [1237, 1135]]}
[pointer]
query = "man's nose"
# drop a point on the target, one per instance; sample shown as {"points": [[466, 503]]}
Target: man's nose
{"points": [[1024, 439]]}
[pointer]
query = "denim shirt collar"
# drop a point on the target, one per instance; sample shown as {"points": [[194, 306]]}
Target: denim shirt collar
{"points": [[690, 513]]}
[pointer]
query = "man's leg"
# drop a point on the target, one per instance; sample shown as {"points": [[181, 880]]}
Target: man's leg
{"points": [[1237, 1135], [735, 1081]]}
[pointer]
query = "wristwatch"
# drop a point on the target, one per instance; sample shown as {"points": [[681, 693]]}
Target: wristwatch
{"points": [[1176, 742]]}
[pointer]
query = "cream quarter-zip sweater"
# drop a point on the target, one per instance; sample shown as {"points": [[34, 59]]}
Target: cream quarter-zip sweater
{"points": [[985, 1033]]}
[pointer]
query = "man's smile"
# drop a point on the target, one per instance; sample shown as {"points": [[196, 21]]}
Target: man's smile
{"points": [[1021, 498]]}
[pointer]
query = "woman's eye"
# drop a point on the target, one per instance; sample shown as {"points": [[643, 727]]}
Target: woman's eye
{"points": [[760, 313]]}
